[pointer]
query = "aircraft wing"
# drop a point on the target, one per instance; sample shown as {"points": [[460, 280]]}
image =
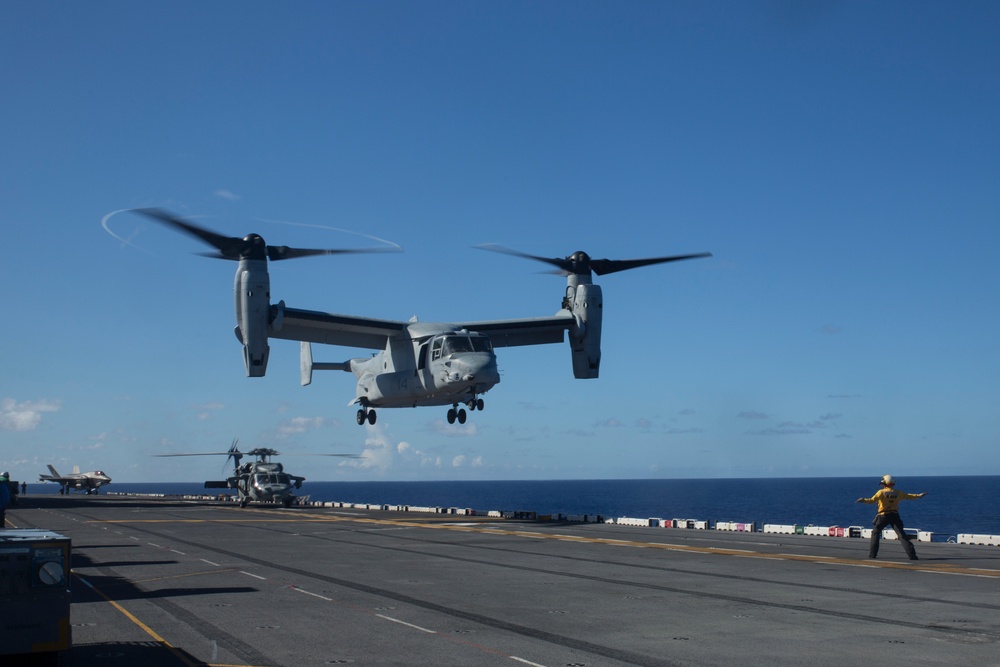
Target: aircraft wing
{"points": [[526, 331], [371, 333], [332, 329]]}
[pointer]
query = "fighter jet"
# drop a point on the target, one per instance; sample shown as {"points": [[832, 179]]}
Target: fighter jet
{"points": [[81, 481]]}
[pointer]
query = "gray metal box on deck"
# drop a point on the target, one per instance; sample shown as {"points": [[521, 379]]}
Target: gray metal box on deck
{"points": [[34, 591]]}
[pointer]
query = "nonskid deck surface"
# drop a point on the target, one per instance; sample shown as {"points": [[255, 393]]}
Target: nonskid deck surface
{"points": [[170, 583]]}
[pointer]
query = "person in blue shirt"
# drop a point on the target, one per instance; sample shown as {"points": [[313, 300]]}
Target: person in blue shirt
{"points": [[888, 515]]}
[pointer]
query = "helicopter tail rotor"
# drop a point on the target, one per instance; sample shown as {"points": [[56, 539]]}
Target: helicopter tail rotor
{"points": [[234, 454]]}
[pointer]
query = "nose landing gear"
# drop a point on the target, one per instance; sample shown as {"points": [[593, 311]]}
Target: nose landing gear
{"points": [[456, 413]]}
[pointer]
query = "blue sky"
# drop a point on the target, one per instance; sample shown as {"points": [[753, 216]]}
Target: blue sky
{"points": [[840, 160]]}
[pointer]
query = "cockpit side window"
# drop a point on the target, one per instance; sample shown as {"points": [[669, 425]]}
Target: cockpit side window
{"points": [[436, 349]]}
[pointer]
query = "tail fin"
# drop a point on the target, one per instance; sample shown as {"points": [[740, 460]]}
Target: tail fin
{"points": [[53, 471]]}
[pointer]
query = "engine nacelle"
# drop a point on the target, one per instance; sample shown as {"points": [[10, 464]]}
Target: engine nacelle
{"points": [[585, 337], [252, 292]]}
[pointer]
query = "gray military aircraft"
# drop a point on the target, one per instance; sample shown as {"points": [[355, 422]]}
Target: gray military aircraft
{"points": [[417, 363], [261, 480], [81, 481]]}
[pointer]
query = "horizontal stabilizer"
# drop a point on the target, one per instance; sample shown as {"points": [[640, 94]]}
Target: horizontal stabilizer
{"points": [[307, 365]]}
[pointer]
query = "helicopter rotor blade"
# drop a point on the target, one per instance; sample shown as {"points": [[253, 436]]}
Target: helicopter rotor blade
{"points": [[197, 454], [580, 263], [605, 266], [251, 246]]}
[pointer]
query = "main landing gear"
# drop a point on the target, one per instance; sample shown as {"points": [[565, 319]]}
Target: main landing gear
{"points": [[456, 413], [366, 414]]}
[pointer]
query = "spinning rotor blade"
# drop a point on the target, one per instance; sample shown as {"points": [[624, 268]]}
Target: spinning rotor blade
{"points": [[605, 266], [251, 246], [198, 454], [580, 262]]}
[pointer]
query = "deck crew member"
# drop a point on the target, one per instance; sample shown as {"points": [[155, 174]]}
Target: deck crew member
{"points": [[888, 515]]}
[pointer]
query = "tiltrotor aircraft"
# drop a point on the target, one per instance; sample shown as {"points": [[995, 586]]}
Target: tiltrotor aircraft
{"points": [[91, 482], [417, 363], [260, 480]]}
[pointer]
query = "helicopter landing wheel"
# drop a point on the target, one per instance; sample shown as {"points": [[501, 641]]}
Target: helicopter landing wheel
{"points": [[479, 404], [361, 417], [243, 502], [456, 413], [371, 417]]}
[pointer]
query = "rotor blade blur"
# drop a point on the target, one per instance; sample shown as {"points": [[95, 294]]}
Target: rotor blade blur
{"points": [[198, 454], [279, 252], [228, 247], [557, 262], [605, 266]]}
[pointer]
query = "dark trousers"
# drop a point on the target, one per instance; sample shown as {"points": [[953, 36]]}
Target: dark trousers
{"points": [[889, 519]]}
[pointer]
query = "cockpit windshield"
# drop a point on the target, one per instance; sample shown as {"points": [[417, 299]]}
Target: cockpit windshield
{"points": [[262, 478], [453, 343]]}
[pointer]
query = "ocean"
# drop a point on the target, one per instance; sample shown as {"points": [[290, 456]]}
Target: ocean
{"points": [[953, 505]]}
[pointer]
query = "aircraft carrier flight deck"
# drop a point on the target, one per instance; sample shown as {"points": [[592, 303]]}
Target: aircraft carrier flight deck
{"points": [[171, 582]]}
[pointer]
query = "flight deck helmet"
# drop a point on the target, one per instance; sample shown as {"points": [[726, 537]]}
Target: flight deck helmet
{"points": [[888, 480]]}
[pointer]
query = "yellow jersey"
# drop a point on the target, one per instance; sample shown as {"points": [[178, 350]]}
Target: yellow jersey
{"points": [[888, 499]]}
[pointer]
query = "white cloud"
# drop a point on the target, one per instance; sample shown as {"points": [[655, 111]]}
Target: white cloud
{"points": [[24, 416], [205, 409], [453, 430], [378, 452], [298, 425], [227, 194]]}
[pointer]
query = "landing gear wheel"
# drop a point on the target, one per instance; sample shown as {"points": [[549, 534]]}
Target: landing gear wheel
{"points": [[452, 415], [461, 416], [479, 404], [243, 502], [361, 417], [371, 417]]}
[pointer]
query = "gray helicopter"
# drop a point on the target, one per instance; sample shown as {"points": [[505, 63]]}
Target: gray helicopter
{"points": [[417, 363], [261, 480]]}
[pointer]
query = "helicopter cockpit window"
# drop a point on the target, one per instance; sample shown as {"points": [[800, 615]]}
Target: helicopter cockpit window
{"points": [[260, 478], [280, 478], [481, 344], [436, 349], [453, 344]]}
